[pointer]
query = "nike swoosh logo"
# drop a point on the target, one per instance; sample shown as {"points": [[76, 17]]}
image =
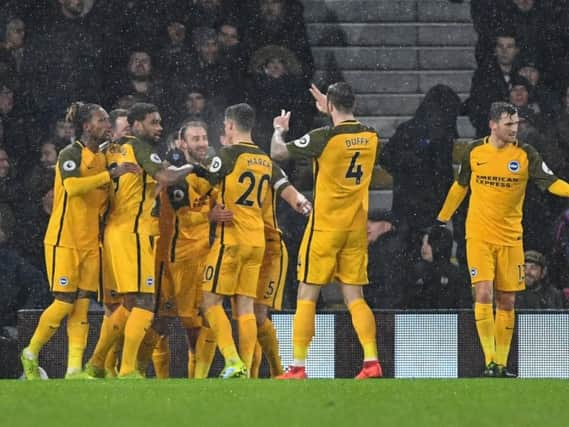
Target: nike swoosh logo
{"points": [[480, 163]]}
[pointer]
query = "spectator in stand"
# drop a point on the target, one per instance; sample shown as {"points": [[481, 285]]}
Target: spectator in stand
{"points": [[177, 57], [12, 48], [222, 84], [63, 62], [231, 47], [558, 270], [539, 293], [540, 95], [204, 13], [388, 261], [10, 190], [492, 82], [280, 23], [435, 282], [276, 83], [139, 81], [63, 133], [419, 158], [520, 94], [559, 133]]}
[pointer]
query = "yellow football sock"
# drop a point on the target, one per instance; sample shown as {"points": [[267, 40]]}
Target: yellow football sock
{"points": [[77, 331], [267, 337], [146, 349], [364, 324], [504, 329], [257, 359], [191, 364], [161, 358], [205, 352], [247, 338], [484, 318], [48, 324], [303, 330], [221, 327], [111, 329], [135, 329], [112, 358]]}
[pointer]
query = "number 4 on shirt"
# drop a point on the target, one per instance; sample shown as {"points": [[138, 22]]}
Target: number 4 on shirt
{"points": [[355, 170]]}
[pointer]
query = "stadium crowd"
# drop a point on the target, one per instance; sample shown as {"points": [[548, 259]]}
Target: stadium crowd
{"points": [[193, 59]]}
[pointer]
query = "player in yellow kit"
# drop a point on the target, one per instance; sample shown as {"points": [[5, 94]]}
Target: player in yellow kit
{"points": [[334, 245], [72, 237], [497, 169], [129, 238]]}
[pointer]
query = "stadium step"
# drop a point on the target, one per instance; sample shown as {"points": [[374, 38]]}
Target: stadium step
{"points": [[395, 58], [391, 34], [386, 125], [391, 104], [386, 11]]}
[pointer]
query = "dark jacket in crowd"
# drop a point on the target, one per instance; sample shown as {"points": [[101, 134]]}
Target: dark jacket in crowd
{"points": [[419, 157], [22, 286], [540, 296]]}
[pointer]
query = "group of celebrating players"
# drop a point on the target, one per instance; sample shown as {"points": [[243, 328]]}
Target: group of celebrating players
{"points": [[145, 223]]}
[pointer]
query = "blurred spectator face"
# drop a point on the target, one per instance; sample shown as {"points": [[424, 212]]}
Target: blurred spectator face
{"points": [[4, 164], [377, 228], [275, 68], [530, 73], [426, 249], [196, 142], [47, 202], [99, 127], [140, 65], [64, 130], [150, 127], [506, 50], [121, 128], [534, 273], [195, 103], [72, 7], [209, 50], [15, 34], [506, 129], [6, 100], [271, 10], [176, 32], [48, 157], [519, 96], [228, 35], [524, 5], [209, 4]]}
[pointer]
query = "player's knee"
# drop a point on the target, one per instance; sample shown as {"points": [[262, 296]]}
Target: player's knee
{"points": [[110, 308], [261, 313], [68, 297], [351, 293], [191, 322], [505, 300], [209, 300], [82, 293]]}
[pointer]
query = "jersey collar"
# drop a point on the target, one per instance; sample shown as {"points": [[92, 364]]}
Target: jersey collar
{"points": [[247, 143]]}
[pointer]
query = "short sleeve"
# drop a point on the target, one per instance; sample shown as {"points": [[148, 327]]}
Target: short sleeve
{"points": [[279, 179], [464, 170], [221, 165], [147, 158], [69, 162], [539, 172], [310, 145]]}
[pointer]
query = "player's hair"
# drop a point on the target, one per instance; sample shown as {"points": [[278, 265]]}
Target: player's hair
{"points": [[79, 113], [506, 35], [139, 111], [497, 109], [243, 115], [341, 96], [191, 124], [115, 114]]}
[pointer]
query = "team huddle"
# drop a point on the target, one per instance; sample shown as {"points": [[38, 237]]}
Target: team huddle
{"points": [[140, 226]]}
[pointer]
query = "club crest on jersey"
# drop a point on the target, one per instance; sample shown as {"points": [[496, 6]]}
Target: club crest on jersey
{"points": [[514, 166], [69, 165], [302, 142], [150, 281], [155, 158], [473, 272], [63, 281], [546, 169], [215, 165]]}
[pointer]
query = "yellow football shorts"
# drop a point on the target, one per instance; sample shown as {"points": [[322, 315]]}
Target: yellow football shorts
{"points": [[130, 261], [504, 265], [70, 269], [272, 277], [180, 286], [325, 256], [233, 269]]}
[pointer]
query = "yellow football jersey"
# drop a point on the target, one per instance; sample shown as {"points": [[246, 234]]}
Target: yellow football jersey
{"points": [[243, 172], [343, 158], [74, 220], [497, 180], [134, 194]]}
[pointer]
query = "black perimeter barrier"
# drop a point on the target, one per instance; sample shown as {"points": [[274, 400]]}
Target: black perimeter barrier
{"points": [[412, 344]]}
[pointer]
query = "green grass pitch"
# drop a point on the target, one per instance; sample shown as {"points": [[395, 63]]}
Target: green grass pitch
{"points": [[268, 403]]}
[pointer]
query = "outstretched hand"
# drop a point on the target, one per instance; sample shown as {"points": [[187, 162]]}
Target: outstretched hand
{"points": [[320, 98], [282, 122]]}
